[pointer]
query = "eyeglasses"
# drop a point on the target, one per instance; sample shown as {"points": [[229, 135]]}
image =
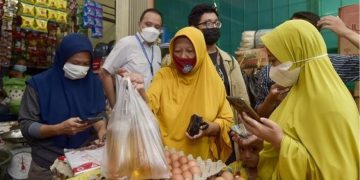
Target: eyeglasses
{"points": [[209, 24]]}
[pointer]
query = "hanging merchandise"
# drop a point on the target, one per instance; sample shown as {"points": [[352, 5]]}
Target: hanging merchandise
{"points": [[52, 15], [52, 4], [92, 17], [31, 29], [89, 14], [61, 5], [41, 3], [61, 17], [10, 10], [26, 10], [98, 26], [40, 13]]}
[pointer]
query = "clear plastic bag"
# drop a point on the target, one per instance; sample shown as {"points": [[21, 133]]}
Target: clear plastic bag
{"points": [[133, 148]]}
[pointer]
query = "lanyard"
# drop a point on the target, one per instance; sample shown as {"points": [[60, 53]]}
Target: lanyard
{"points": [[146, 55]]}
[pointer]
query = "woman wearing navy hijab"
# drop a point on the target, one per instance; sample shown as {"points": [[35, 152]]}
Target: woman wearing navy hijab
{"points": [[55, 102]]}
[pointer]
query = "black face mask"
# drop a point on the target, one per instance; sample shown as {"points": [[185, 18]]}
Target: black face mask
{"points": [[211, 35]]}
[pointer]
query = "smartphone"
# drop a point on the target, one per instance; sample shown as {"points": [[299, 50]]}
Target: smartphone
{"points": [[240, 130], [92, 120], [241, 106]]}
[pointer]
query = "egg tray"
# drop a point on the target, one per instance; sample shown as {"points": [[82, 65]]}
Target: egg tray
{"points": [[208, 167]]}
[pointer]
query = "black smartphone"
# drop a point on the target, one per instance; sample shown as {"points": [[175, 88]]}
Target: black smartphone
{"points": [[92, 120], [241, 106]]}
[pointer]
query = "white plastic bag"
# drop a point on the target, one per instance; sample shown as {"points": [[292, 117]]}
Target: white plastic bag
{"points": [[133, 148]]}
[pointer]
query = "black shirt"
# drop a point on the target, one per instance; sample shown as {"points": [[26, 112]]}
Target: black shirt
{"points": [[220, 68]]}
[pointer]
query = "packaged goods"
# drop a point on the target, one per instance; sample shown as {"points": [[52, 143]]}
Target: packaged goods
{"points": [[27, 10], [52, 15], [40, 25], [41, 3], [27, 22], [40, 13]]}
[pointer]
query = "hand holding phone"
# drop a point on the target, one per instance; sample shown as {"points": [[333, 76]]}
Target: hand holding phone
{"points": [[92, 120], [241, 106]]}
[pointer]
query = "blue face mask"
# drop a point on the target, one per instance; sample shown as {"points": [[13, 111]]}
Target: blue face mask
{"points": [[20, 68]]}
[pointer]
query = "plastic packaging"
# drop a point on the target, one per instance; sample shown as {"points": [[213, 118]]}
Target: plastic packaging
{"points": [[27, 23], [52, 15], [27, 10], [42, 3], [61, 5], [40, 25], [28, 1], [61, 17], [133, 147], [52, 4], [40, 13]]}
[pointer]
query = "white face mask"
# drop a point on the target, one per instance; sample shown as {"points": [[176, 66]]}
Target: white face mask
{"points": [[282, 76], [75, 71], [150, 34]]}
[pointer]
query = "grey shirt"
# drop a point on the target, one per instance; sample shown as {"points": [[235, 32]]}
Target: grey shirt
{"points": [[43, 150]]}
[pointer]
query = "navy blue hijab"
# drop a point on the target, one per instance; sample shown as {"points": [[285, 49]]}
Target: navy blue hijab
{"points": [[61, 98]]}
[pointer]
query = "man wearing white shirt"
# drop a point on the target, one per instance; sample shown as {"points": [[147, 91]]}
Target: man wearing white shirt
{"points": [[137, 53]]}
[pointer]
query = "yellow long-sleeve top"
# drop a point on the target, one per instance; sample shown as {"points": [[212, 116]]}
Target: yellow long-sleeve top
{"points": [[174, 97], [319, 118]]}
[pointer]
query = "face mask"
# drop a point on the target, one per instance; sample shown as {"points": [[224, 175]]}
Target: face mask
{"points": [[211, 35], [281, 74], [20, 68], [184, 65], [150, 34], [75, 71]]}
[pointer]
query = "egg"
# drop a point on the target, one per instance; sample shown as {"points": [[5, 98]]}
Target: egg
{"points": [[239, 178], [168, 160], [175, 164], [167, 154], [187, 175], [195, 170], [176, 171], [184, 167], [192, 163], [227, 175], [174, 157], [177, 177], [183, 160], [219, 178]]}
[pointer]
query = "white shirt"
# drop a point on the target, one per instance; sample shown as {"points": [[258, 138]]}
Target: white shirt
{"points": [[129, 54]]}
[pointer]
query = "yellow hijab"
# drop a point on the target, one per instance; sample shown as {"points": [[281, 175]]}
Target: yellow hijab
{"points": [[319, 118], [174, 97]]}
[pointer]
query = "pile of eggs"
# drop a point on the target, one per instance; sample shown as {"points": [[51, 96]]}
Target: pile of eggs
{"points": [[225, 176], [181, 167]]}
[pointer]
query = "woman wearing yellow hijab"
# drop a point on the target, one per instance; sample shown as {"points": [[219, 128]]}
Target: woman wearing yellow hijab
{"points": [[191, 85], [314, 132]]}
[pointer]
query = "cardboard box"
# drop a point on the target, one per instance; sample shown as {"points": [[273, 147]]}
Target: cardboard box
{"points": [[350, 16]]}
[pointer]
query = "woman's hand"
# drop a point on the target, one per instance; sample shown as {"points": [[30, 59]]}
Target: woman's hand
{"points": [[277, 93], [251, 139], [333, 23], [100, 128], [137, 81], [266, 130], [212, 130], [72, 126]]}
